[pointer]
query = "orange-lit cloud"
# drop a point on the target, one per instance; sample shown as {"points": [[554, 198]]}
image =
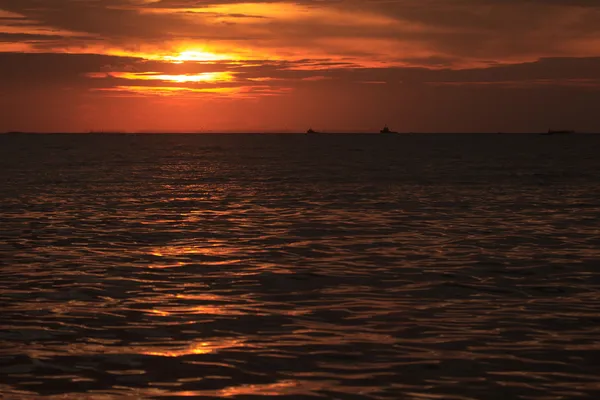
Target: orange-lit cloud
{"points": [[467, 32], [463, 32]]}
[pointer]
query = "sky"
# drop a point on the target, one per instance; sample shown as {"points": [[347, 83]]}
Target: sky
{"points": [[333, 65]]}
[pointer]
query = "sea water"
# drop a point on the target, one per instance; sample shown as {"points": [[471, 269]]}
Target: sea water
{"points": [[300, 266]]}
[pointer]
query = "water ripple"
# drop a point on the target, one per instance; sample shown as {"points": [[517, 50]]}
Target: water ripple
{"points": [[456, 267]]}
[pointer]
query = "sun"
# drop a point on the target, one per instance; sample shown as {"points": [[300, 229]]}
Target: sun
{"points": [[202, 77], [197, 56], [208, 77]]}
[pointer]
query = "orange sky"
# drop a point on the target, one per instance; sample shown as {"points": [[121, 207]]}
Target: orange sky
{"points": [[339, 65]]}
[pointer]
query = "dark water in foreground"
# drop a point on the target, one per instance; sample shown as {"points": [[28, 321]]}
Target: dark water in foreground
{"points": [[246, 266]]}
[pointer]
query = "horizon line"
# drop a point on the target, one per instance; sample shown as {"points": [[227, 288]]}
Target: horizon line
{"points": [[292, 133]]}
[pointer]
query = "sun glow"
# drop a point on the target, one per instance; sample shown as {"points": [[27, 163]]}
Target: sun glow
{"points": [[203, 77], [171, 91], [197, 56], [208, 77], [183, 51]]}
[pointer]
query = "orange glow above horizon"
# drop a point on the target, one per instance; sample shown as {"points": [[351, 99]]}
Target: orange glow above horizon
{"points": [[169, 90], [236, 92], [208, 77]]}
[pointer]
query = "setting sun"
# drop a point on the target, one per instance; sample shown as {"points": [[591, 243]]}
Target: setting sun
{"points": [[198, 56], [183, 78]]}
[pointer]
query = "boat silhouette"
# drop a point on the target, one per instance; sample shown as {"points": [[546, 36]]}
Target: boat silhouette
{"points": [[559, 132], [386, 130], [310, 131]]}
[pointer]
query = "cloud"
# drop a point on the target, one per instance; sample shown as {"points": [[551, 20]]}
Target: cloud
{"points": [[461, 32], [360, 55]]}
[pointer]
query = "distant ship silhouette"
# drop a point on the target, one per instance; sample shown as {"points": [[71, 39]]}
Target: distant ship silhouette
{"points": [[386, 130], [560, 132], [311, 131]]}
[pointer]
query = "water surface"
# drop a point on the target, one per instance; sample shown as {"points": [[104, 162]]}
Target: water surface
{"points": [[291, 266]]}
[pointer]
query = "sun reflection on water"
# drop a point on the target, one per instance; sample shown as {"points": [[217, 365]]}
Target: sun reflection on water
{"points": [[209, 250], [273, 389], [204, 347], [206, 309]]}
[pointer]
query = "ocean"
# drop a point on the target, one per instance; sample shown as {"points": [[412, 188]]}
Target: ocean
{"points": [[422, 266]]}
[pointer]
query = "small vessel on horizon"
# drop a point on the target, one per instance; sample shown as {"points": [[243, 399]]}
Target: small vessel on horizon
{"points": [[559, 132], [311, 131], [386, 130]]}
